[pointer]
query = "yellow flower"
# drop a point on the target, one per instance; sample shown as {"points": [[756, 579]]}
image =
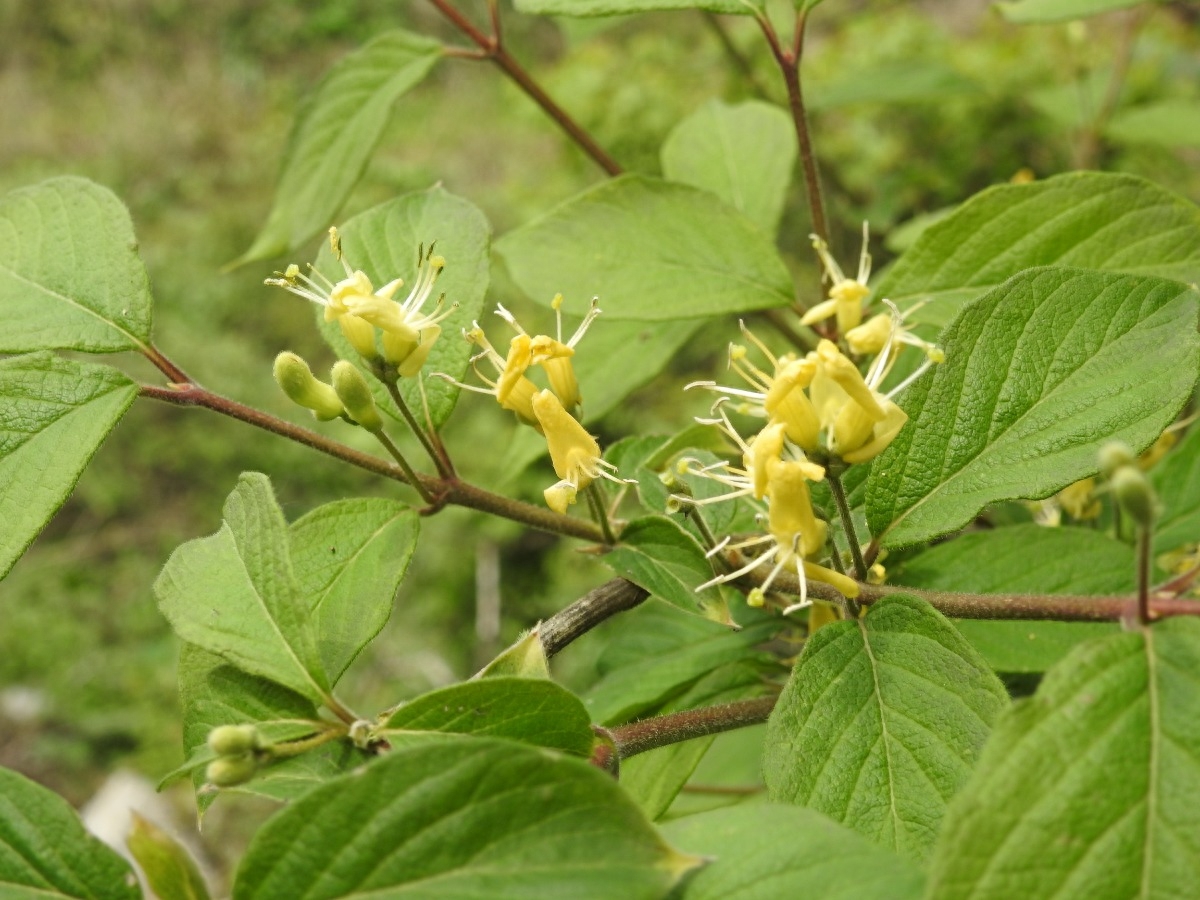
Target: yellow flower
{"points": [[552, 354], [845, 294], [858, 420], [408, 333], [574, 453]]}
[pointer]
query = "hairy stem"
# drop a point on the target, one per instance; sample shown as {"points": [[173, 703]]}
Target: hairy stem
{"points": [[593, 608], [596, 502], [660, 731], [439, 457], [445, 491], [493, 49], [839, 497]]}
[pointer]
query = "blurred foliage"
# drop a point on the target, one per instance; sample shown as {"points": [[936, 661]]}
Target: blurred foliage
{"points": [[183, 110]]}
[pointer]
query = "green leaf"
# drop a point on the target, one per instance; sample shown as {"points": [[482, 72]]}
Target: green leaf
{"points": [[383, 242], [234, 594], [1025, 559], [744, 154], [1172, 123], [654, 778], [1039, 11], [529, 710], [656, 653], [212, 693], [1088, 788], [349, 558], [169, 868], [45, 851], [650, 250], [658, 555], [1094, 220], [70, 274], [463, 817], [334, 135], [54, 414], [587, 8], [881, 723], [524, 658], [765, 852], [1177, 481], [1038, 374]]}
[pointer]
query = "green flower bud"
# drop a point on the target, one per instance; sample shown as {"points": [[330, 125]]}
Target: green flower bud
{"points": [[1132, 490], [233, 740], [1113, 456], [230, 771], [297, 381], [354, 392]]}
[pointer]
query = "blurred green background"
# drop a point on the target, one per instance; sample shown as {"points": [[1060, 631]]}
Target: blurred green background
{"points": [[183, 110]]}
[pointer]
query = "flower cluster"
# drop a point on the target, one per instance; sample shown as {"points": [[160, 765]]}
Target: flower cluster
{"points": [[406, 334], [553, 411]]}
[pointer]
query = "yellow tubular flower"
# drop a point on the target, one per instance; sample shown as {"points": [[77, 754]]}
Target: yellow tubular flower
{"points": [[845, 294], [574, 453], [764, 448], [790, 513], [870, 337], [786, 402]]}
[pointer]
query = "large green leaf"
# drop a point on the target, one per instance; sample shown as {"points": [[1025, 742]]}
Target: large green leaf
{"points": [[212, 693], [349, 558], [655, 653], [54, 414], [335, 133], [627, 7], [234, 594], [1025, 559], [1114, 223], [1039, 11], [169, 869], [383, 242], [1177, 481], [70, 274], [1088, 789], [650, 250], [462, 817], [529, 710], [1038, 374], [881, 723], [767, 852], [45, 852], [744, 154], [658, 555]]}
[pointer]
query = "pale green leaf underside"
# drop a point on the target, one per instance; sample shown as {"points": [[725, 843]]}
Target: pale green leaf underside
{"points": [[881, 723], [234, 594], [70, 274], [212, 692], [54, 415], [744, 154], [1025, 559], [1039, 11], [383, 242], [45, 852], [335, 133], [1089, 788], [650, 250], [1092, 220], [768, 852], [586, 8], [459, 818], [349, 558], [529, 710], [658, 555], [1038, 374]]}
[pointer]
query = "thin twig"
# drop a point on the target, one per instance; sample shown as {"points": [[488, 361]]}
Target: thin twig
{"points": [[660, 731], [413, 478], [593, 608], [444, 466], [493, 49]]}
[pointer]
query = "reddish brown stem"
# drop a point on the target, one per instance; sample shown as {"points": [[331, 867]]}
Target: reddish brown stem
{"points": [[493, 49], [638, 737]]}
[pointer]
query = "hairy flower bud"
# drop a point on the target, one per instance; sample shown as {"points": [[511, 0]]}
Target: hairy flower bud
{"points": [[233, 740], [297, 381], [1113, 456], [355, 394], [230, 771], [1132, 490]]}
